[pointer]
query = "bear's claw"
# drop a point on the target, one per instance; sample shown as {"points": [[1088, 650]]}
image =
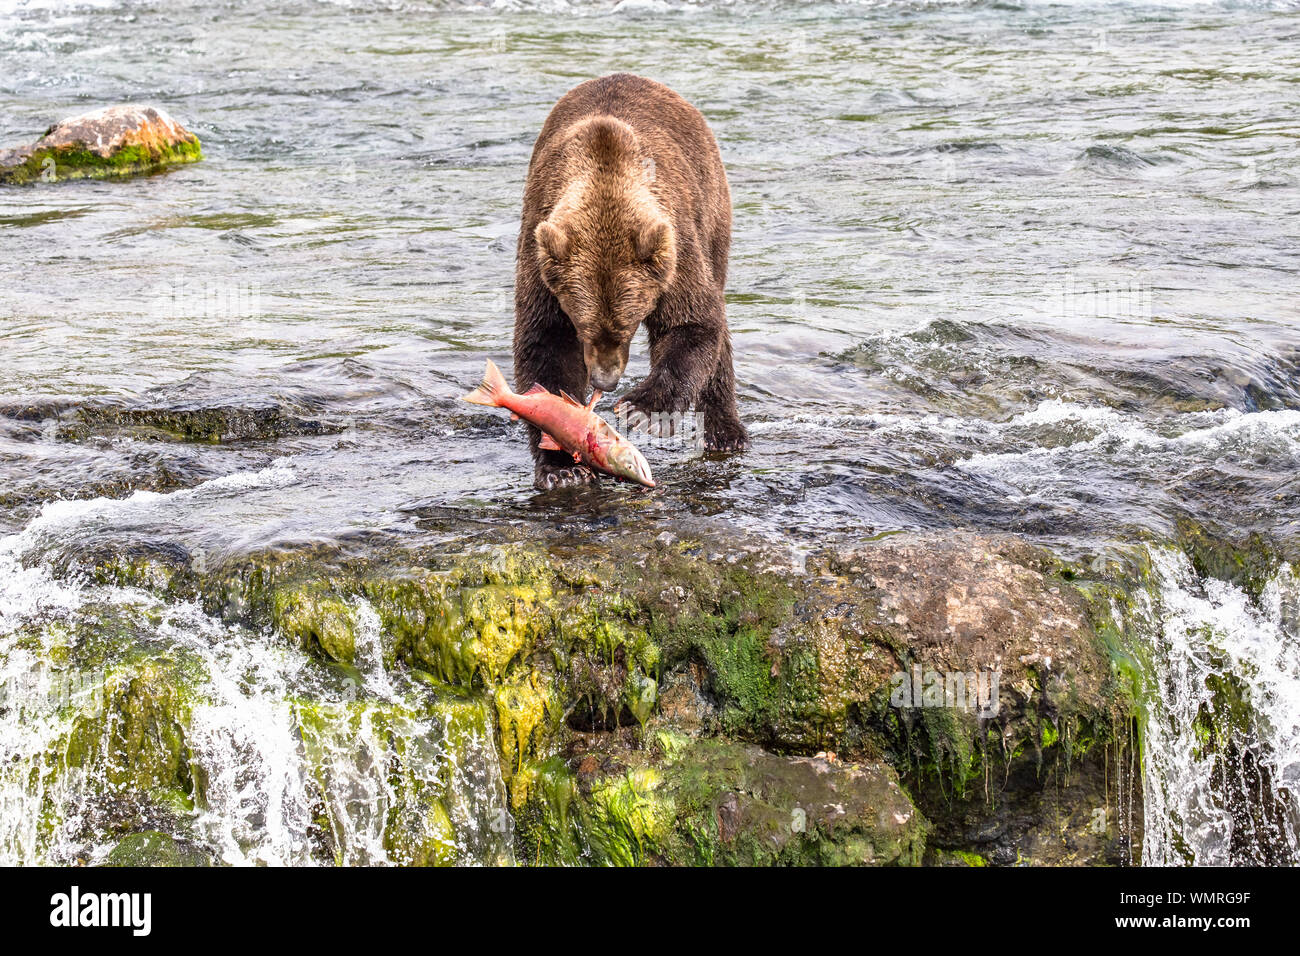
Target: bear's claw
{"points": [[548, 477], [730, 438]]}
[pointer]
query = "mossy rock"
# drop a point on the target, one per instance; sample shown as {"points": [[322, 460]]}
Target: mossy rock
{"points": [[312, 616], [1250, 561], [462, 631], [725, 639], [222, 423], [716, 802], [112, 142], [412, 782], [153, 848], [521, 709], [133, 736]]}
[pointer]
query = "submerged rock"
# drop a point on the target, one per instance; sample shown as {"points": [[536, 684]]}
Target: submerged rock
{"points": [[114, 141], [221, 423]]}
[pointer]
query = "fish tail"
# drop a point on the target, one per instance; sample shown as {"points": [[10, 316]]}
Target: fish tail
{"points": [[491, 390]]}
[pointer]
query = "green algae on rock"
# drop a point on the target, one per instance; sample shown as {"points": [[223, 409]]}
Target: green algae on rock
{"points": [[135, 735], [310, 616], [109, 142], [724, 642], [114, 740], [153, 848], [713, 802], [436, 791]]}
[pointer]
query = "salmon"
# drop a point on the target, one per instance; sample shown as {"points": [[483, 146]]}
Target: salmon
{"points": [[566, 425]]}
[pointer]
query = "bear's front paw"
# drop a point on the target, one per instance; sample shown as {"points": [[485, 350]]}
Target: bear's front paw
{"points": [[547, 476], [725, 437]]}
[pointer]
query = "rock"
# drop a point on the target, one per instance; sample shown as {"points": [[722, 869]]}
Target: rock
{"points": [[220, 423], [152, 848], [683, 705], [132, 732], [120, 750], [440, 792], [982, 675], [114, 141], [714, 802], [309, 617], [1035, 776]]}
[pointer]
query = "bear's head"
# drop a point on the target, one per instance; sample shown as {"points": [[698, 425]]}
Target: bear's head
{"points": [[607, 252]]}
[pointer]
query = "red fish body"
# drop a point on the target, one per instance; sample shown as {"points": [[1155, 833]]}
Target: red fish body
{"points": [[566, 425]]}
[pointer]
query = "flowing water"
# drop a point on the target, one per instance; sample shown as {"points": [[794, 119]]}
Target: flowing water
{"points": [[1018, 267], [1222, 783]]}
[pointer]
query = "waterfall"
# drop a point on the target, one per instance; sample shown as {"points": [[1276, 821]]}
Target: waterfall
{"points": [[1221, 738], [122, 713]]}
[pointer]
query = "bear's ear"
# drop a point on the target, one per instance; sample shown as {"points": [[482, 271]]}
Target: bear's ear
{"points": [[656, 248], [552, 240]]}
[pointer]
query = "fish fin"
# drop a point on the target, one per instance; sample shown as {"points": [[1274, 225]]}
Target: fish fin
{"points": [[570, 399], [491, 390], [538, 389], [548, 443], [514, 417], [595, 397]]}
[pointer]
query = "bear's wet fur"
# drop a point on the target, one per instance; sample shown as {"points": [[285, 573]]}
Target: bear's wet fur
{"points": [[626, 219]]}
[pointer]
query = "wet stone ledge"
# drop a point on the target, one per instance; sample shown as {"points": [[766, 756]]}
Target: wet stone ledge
{"points": [[683, 701]]}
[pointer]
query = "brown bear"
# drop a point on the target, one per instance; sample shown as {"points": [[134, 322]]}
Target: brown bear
{"points": [[626, 220]]}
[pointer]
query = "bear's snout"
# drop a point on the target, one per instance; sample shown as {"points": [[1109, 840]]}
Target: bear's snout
{"points": [[605, 379]]}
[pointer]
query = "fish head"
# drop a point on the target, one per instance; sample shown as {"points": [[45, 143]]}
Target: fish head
{"points": [[628, 463]]}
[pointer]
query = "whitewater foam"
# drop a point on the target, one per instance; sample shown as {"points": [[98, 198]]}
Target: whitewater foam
{"points": [[1201, 807], [258, 791]]}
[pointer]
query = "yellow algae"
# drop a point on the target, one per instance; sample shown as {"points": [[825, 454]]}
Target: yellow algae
{"points": [[521, 707]]}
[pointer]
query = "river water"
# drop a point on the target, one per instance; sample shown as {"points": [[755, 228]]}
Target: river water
{"points": [[1016, 267]]}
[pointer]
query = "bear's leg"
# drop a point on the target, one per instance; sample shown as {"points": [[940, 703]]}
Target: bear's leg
{"points": [[685, 342], [547, 353], [722, 428]]}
